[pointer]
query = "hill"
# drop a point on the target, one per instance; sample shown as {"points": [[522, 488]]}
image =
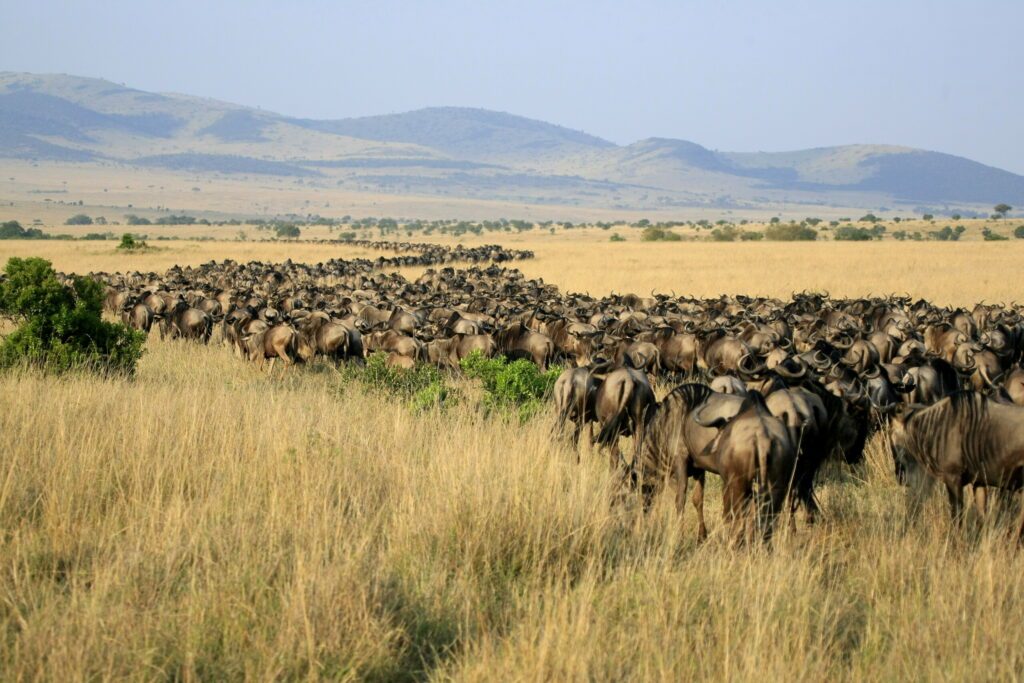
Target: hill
{"points": [[466, 152]]}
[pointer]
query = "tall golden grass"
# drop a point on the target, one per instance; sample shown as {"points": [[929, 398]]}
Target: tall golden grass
{"points": [[205, 520], [208, 521]]}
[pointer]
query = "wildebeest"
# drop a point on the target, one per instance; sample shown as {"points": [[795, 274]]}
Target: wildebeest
{"points": [[575, 394], [752, 446], [622, 405], [966, 439]]}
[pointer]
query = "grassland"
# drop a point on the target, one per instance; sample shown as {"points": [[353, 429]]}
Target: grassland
{"points": [[583, 260], [208, 521]]}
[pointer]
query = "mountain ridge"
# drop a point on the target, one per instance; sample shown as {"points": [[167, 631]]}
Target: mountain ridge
{"points": [[464, 152]]}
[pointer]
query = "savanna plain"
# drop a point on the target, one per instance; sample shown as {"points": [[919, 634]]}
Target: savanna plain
{"points": [[209, 520]]}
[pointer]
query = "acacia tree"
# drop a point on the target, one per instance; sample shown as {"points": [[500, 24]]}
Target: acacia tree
{"points": [[1001, 210]]}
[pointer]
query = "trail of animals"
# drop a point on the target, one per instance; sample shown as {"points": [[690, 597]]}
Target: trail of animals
{"points": [[764, 390]]}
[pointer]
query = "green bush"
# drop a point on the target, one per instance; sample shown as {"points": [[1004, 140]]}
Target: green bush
{"points": [[129, 243], [423, 387], [726, 233], [12, 230], [1018, 232], [78, 219], [287, 231], [848, 233], [990, 236], [511, 386], [616, 237], [60, 327], [947, 234], [656, 234], [751, 236], [778, 232]]}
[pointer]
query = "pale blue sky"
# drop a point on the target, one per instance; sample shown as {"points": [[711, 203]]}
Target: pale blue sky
{"points": [[738, 76]]}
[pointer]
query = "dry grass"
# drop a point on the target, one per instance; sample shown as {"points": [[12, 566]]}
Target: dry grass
{"points": [[207, 521]]}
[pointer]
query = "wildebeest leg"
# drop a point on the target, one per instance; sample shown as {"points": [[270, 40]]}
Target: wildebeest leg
{"points": [[614, 454], [772, 502], [733, 499], [577, 428], [919, 483], [981, 501], [270, 372], [682, 482], [955, 492], [1020, 528], [698, 505]]}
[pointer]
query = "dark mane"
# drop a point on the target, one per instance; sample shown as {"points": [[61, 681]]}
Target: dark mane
{"points": [[692, 394]]}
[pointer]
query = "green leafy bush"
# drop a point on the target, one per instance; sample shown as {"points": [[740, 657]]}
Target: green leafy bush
{"points": [[12, 230], [947, 234], [511, 386], [848, 233], [1018, 232], [727, 233], [616, 237], [130, 243], [656, 234], [990, 236], [423, 386], [287, 231], [60, 327], [79, 219], [751, 236], [778, 232]]}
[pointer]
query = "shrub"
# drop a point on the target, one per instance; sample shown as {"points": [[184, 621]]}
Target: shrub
{"points": [[422, 386], [990, 236], [848, 233], [60, 327], [132, 219], [78, 219], [656, 234], [176, 220], [129, 243], [511, 386], [727, 233], [12, 230], [947, 234], [616, 237], [1018, 232], [778, 232], [287, 230], [751, 236]]}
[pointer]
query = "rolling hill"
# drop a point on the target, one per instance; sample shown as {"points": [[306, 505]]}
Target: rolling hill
{"points": [[465, 152]]}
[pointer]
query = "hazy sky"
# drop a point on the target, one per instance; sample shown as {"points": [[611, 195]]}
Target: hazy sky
{"points": [[738, 76]]}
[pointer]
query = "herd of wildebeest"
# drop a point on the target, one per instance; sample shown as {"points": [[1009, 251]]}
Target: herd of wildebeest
{"points": [[764, 391]]}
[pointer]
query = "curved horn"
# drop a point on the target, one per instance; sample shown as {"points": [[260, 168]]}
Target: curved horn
{"points": [[746, 366], [820, 360], [841, 344], [784, 371]]}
